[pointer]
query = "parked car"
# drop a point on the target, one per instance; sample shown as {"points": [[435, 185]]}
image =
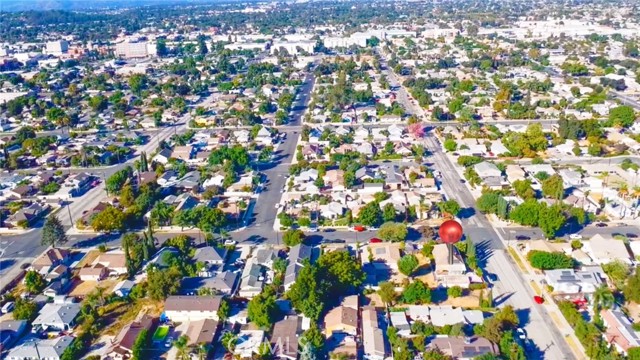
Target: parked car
{"points": [[522, 335], [8, 307], [538, 299], [575, 237], [230, 242], [358, 228], [312, 228], [375, 240], [169, 342], [601, 224]]}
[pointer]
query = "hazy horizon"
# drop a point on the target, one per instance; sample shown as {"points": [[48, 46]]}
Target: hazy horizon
{"points": [[43, 5]]}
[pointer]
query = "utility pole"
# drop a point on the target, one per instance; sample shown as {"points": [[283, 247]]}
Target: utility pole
{"points": [[69, 210]]}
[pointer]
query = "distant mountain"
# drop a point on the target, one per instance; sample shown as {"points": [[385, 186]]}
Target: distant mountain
{"points": [[24, 5]]}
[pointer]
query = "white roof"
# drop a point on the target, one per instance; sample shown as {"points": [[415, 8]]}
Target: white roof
{"points": [[446, 315]]}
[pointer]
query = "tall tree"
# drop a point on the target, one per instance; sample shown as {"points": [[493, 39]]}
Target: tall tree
{"points": [[52, 232], [387, 292]]}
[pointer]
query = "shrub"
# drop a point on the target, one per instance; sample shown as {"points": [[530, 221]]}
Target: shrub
{"points": [[549, 260], [455, 291]]}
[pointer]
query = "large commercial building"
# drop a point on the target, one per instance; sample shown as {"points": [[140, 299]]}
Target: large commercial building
{"points": [[139, 49]]}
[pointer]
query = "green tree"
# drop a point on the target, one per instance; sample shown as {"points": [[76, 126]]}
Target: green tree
{"points": [[526, 213], [523, 189], [370, 214], [544, 260], [25, 310], [108, 220], [553, 187], [140, 345], [293, 237], [488, 202], [314, 339], [622, 116], [632, 288], [162, 283], [408, 264], [455, 291], [416, 293], [34, 282], [224, 309], [263, 310], [387, 293], [52, 232], [394, 232], [449, 207], [389, 212], [551, 220], [450, 145], [602, 299]]}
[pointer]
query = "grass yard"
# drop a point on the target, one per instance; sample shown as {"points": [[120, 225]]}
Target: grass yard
{"points": [[161, 333]]}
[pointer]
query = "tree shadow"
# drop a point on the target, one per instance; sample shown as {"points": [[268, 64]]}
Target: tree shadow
{"points": [[524, 316], [466, 213], [500, 299], [256, 239], [6, 264], [484, 251]]}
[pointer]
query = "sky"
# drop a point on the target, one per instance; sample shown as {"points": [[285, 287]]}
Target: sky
{"points": [[21, 5]]}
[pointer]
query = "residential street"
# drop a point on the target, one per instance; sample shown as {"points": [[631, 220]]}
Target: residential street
{"points": [[511, 284]]}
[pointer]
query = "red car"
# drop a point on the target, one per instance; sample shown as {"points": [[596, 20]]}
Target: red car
{"points": [[375, 240], [359, 228], [538, 299]]}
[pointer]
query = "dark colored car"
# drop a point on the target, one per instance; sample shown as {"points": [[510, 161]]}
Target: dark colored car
{"points": [[522, 237], [601, 225]]}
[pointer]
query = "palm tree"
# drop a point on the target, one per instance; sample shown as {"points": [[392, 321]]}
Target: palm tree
{"points": [[203, 351], [181, 346], [623, 190], [602, 299]]}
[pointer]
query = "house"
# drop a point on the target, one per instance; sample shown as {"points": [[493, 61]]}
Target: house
{"points": [[446, 315], [222, 282], [334, 178], [514, 173], [399, 321], [60, 317], [59, 272], [50, 259], [121, 347], [115, 262], [27, 215], [486, 169], [168, 178], [571, 178], [266, 257], [332, 210], [191, 308], [604, 250], [463, 348], [10, 332], [569, 281], [21, 191], [123, 288], [284, 337], [297, 256], [620, 331], [162, 157], [49, 349], [182, 153], [57, 287], [248, 342], [210, 255], [202, 332], [449, 274], [93, 273], [384, 256], [373, 338], [252, 279], [343, 318]]}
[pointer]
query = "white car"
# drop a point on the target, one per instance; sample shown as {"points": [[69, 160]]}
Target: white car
{"points": [[575, 237], [521, 334], [230, 242], [169, 342]]}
